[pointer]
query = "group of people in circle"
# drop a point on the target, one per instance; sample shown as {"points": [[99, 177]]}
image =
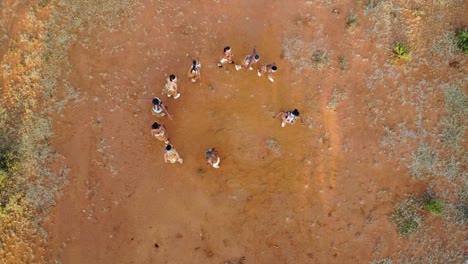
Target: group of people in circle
{"points": [[170, 89]]}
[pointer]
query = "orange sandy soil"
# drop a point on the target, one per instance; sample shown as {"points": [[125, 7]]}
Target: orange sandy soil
{"points": [[323, 194]]}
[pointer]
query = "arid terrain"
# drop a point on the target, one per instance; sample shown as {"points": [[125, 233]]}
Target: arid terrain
{"points": [[377, 173]]}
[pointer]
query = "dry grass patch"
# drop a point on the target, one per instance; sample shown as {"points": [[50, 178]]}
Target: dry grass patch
{"points": [[406, 216], [303, 55]]}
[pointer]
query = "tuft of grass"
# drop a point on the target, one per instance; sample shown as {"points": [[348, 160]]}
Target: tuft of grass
{"points": [[42, 3], [400, 52], [374, 7], [352, 21], [200, 172], [273, 145], [406, 217], [417, 12], [240, 260], [343, 63], [319, 58], [432, 204], [462, 40]]}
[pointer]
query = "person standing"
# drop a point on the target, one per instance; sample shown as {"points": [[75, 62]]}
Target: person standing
{"points": [[227, 57], [249, 60], [171, 155], [268, 69], [170, 89], [194, 73], [212, 158], [159, 132], [289, 117], [159, 109]]}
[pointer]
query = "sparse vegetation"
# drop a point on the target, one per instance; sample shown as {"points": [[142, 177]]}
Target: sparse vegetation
{"points": [[424, 162], [453, 132], [462, 40], [273, 145], [336, 97], [400, 52], [406, 217], [373, 6], [445, 45], [439, 144], [382, 261], [462, 207], [302, 55], [453, 125], [455, 100]]}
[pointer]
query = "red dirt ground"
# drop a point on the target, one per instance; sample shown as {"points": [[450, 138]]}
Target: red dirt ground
{"points": [[324, 196]]}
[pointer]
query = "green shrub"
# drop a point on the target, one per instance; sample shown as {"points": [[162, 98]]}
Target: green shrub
{"points": [[400, 52], [8, 161], [462, 40], [435, 206]]}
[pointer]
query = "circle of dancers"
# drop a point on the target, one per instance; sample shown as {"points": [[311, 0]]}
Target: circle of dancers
{"points": [[170, 89]]}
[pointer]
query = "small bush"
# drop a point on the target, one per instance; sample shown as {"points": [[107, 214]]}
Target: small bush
{"points": [[400, 52], [406, 217], [343, 63], [462, 40], [7, 161], [352, 21], [432, 204], [435, 206], [320, 58]]}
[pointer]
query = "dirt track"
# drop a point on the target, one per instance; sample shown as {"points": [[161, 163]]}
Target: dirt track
{"points": [[314, 194]]}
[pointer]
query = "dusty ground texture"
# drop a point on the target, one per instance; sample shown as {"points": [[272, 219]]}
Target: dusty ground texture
{"points": [[377, 131]]}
